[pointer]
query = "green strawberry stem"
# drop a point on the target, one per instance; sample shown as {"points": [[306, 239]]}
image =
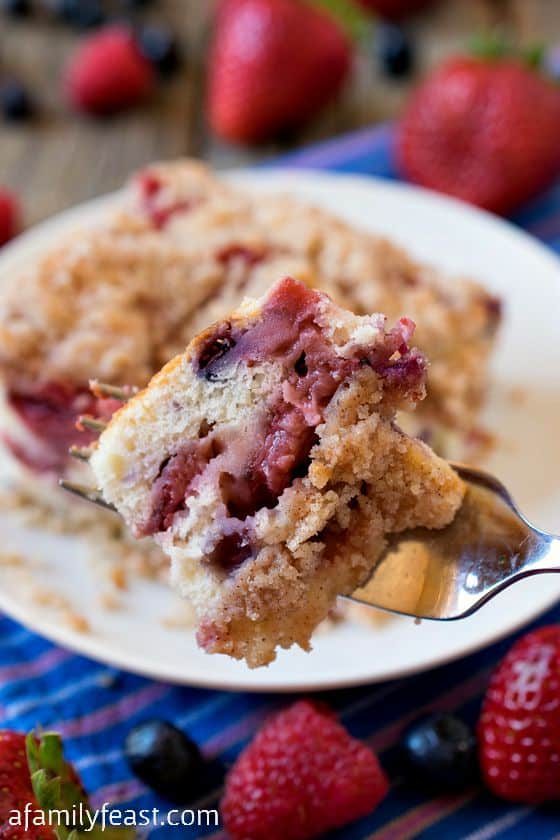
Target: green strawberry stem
{"points": [[496, 46], [356, 23], [47, 754], [57, 789], [535, 55]]}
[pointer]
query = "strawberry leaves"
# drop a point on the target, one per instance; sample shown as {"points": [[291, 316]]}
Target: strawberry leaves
{"points": [[58, 792], [355, 22], [496, 46]]}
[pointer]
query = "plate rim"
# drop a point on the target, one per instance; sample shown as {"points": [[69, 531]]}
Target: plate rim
{"points": [[77, 643], [84, 215]]}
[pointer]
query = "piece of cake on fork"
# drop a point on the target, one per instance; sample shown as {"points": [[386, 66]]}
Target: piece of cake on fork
{"points": [[266, 462]]}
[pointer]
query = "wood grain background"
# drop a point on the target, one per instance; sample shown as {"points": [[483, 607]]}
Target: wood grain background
{"points": [[61, 159]]}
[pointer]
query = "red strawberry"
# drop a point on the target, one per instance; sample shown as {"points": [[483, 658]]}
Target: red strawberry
{"points": [[35, 778], [9, 216], [519, 728], [484, 131], [274, 64], [394, 9], [301, 776], [108, 72]]}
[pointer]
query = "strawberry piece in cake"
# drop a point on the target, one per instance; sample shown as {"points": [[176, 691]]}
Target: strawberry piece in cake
{"points": [[266, 463]]}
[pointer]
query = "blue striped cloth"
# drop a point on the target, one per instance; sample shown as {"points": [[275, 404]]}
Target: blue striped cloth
{"points": [[94, 706]]}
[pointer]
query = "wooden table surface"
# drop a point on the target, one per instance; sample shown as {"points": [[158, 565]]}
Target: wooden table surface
{"points": [[61, 159]]}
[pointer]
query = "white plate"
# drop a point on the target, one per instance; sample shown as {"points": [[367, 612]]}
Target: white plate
{"points": [[459, 239]]}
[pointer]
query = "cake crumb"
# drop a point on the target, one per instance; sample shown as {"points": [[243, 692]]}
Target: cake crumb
{"points": [[518, 395], [11, 558], [49, 598], [76, 622], [110, 602], [119, 577]]}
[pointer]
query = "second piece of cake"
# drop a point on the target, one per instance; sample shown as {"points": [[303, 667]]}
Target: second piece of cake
{"points": [[266, 462]]}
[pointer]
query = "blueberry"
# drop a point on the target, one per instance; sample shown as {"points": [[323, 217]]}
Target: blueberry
{"points": [[16, 8], [15, 102], [213, 350], [165, 759], [396, 52], [51, 7], [439, 750], [159, 46], [80, 14], [54, 8], [134, 4]]}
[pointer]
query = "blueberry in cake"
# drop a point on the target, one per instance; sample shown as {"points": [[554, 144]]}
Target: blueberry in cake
{"points": [[184, 248], [266, 462]]}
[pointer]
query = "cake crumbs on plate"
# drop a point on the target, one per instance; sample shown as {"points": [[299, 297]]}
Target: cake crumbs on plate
{"points": [[45, 597], [76, 622], [518, 395], [114, 556], [110, 602], [12, 558]]}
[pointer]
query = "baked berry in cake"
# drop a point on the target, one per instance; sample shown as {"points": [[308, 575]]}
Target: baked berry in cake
{"points": [[266, 462]]}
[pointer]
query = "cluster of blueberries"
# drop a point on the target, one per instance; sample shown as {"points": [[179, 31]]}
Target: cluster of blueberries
{"points": [[81, 14], [156, 41]]}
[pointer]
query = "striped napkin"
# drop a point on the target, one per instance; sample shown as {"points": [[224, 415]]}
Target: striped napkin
{"points": [[94, 706]]}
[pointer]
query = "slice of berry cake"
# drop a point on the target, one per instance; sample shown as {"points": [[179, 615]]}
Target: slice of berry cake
{"points": [[266, 462], [181, 250]]}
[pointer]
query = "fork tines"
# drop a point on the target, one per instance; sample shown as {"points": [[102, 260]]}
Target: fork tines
{"points": [[90, 494], [86, 421], [101, 389], [94, 424], [81, 453]]}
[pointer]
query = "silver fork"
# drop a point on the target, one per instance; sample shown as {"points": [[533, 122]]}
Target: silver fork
{"points": [[451, 573], [442, 575]]}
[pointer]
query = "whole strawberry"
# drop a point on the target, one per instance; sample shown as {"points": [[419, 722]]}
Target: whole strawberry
{"points": [[108, 73], [485, 131], [10, 216], [301, 776], [273, 65], [394, 9], [519, 728]]}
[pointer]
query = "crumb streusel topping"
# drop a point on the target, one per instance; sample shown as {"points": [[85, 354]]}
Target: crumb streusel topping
{"points": [[117, 302]]}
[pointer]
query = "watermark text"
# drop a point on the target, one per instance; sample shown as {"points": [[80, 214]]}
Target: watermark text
{"points": [[88, 819]]}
